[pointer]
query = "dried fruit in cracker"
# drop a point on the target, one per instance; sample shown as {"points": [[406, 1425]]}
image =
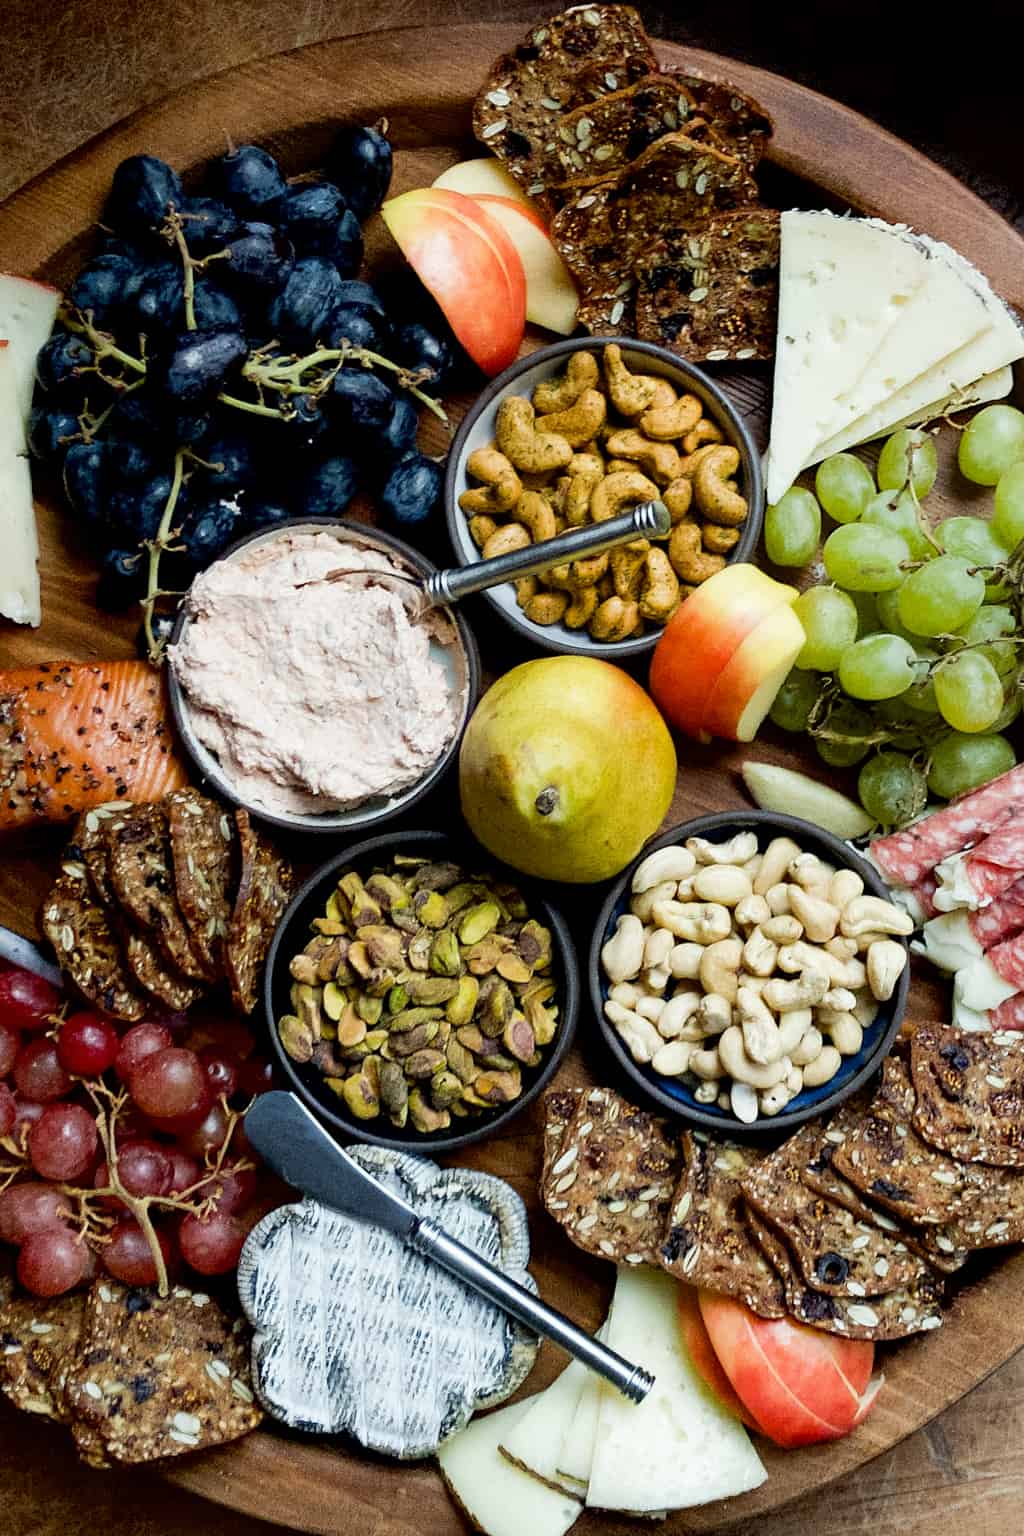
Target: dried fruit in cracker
{"points": [[263, 890], [970, 1093], [88, 950], [142, 879], [203, 854]]}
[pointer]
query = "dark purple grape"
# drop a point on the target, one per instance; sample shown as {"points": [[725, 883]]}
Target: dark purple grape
{"points": [[310, 217], [51, 433], [208, 530], [250, 181], [303, 310], [360, 164], [422, 351], [360, 328], [106, 288], [193, 370], [412, 491], [159, 307], [139, 418], [187, 429], [399, 436], [122, 580], [134, 512], [231, 460], [346, 247], [263, 514], [326, 489], [259, 262], [86, 480], [209, 226], [215, 310], [59, 363], [361, 402], [141, 193], [363, 296], [129, 459]]}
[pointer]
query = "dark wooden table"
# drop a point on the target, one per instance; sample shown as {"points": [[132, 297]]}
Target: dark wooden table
{"points": [[68, 71]]}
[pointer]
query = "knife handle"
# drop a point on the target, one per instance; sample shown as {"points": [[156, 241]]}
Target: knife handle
{"points": [[433, 1242]]}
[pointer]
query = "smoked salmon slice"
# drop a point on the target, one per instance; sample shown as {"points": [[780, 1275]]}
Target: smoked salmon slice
{"points": [[74, 735]]}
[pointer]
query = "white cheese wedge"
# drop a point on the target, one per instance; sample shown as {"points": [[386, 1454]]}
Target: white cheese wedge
{"points": [[979, 985], [19, 543], [535, 1440], [948, 942], [973, 1020], [576, 1453], [843, 284], [27, 312], [994, 386], [497, 1497], [679, 1447], [955, 891]]}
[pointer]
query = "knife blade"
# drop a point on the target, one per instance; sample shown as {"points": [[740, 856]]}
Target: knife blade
{"points": [[21, 952], [296, 1146]]}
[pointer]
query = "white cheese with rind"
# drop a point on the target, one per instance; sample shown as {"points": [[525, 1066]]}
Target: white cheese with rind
{"points": [[679, 1447], [27, 312], [497, 1497], [979, 985], [576, 1453], [536, 1439], [843, 284], [994, 386], [19, 541]]}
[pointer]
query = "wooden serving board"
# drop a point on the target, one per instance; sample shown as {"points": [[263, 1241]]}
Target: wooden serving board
{"points": [[823, 154]]}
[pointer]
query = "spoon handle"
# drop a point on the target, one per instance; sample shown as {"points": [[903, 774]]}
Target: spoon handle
{"points": [[650, 517]]}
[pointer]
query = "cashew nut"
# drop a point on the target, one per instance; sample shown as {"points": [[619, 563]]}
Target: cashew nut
{"points": [[738, 1065], [577, 575], [759, 953], [706, 1064], [581, 609], [808, 1048], [846, 1034], [812, 874], [751, 912], [659, 460], [886, 963], [755, 983], [823, 1068], [631, 393], [719, 541], [773, 1100], [713, 488], [625, 993], [557, 394], [627, 567], [778, 856], [864, 941], [547, 607], [689, 465], [639, 1034], [677, 496], [523, 444], [839, 999], [704, 431], [784, 929], [866, 914], [659, 587], [650, 1008], [580, 422], [578, 493], [536, 515], [737, 850], [843, 949], [820, 918], [622, 955], [618, 491], [802, 956], [714, 1013], [803, 991], [792, 1028], [777, 897], [501, 485], [844, 886], [672, 863], [526, 587], [677, 1014], [480, 529], [761, 1036], [505, 540], [658, 947], [614, 619], [667, 422], [700, 922], [865, 1011], [657, 978], [794, 1081], [719, 968], [706, 1093], [684, 961], [644, 904], [688, 559], [724, 883], [673, 1059]]}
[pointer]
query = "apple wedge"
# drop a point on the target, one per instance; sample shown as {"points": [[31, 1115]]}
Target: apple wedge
{"points": [[551, 297], [27, 312], [469, 264], [746, 687], [482, 177]]}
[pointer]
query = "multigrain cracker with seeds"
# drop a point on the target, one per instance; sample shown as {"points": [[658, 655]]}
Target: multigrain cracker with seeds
{"points": [[89, 844], [741, 124], [265, 884], [708, 1242], [610, 1186], [970, 1093], [36, 1338], [599, 139], [203, 856], [142, 879], [559, 1107], [87, 946]]}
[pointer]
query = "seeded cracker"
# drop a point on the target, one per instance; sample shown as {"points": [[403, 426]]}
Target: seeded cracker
{"points": [[835, 1252], [559, 1106], [708, 1242], [36, 1338], [970, 1093], [203, 855], [141, 876], [517, 113], [610, 1187], [89, 844], [713, 295], [263, 891], [600, 138], [86, 945], [159, 1378], [741, 124]]}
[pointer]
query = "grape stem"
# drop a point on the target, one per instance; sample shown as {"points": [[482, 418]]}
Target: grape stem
{"points": [[174, 230], [156, 547]]}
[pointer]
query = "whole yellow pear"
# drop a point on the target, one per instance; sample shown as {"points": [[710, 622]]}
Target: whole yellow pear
{"points": [[566, 769]]}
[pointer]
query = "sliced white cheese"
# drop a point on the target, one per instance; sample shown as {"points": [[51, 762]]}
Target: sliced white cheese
{"points": [[19, 543], [535, 1440], [979, 985], [973, 1020], [576, 1453], [496, 1496], [679, 1447], [955, 891], [948, 942], [843, 285], [27, 312], [994, 386]]}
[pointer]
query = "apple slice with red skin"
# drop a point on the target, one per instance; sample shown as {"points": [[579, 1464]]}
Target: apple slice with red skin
{"points": [[469, 264], [551, 296], [746, 687], [698, 1345], [801, 1386]]}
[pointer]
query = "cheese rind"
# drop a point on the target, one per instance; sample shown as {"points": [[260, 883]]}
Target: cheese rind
{"points": [[679, 1447], [576, 1453], [535, 1440], [500, 1498], [19, 542]]}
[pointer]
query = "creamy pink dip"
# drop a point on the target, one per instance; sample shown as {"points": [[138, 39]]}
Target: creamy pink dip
{"points": [[313, 698]]}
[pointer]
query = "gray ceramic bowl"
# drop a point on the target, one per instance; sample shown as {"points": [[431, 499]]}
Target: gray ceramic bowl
{"points": [[673, 1094], [477, 430], [461, 661]]}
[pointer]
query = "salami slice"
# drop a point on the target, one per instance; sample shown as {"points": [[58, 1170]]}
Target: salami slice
{"points": [[1008, 960], [907, 856], [925, 890], [1009, 1014], [994, 864], [1001, 919]]}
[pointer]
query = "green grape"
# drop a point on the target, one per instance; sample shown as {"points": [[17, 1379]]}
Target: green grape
{"points": [[851, 722], [904, 726], [867, 613], [909, 449], [969, 692], [892, 788], [888, 605], [920, 696], [972, 539], [864, 559], [960, 763], [845, 486], [879, 667], [992, 442], [990, 623], [1009, 712], [830, 623], [940, 596], [896, 511], [795, 700], [1008, 510], [792, 527]]}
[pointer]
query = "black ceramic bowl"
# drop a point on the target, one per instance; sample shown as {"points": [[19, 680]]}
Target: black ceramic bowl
{"points": [[294, 932], [674, 1095], [477, 430]]}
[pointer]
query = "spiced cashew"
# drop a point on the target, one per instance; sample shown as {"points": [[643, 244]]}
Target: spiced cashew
{"points": [[718, 540], [687, 558], [581, 422], [582, 608], [578, 494], [501, 485], [526, 587], [578, 575], [717, 496], [480, 529], [659, 460], [614, 619], [691, 462], [630, 393], [547, 607], [586, 463], [521, 442], [627, 568], [505, 540], [677, 496], [666, 423], [703, 431], [559, 393], [536, 515], [664, 394], [659, 587], [616, 492]]}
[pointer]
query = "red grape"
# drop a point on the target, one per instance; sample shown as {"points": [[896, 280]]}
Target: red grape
{"points": [[128, 1256], [234, 1189], [38, 1074], [8, 1110], [209, 1135], [28, 1113], [87, 1045], [145, 1169], [10, 1045], [53, 1262], [221, 1070], [62, 1144], [27, 1001], [32, 1207], [187, 1170], [255, 1076], [170, 1084], [136, 1044], [212, 1244]]}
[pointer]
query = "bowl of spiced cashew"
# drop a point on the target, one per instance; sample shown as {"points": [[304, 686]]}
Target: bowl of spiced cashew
{"points": [[575, 433], [749, 971]]}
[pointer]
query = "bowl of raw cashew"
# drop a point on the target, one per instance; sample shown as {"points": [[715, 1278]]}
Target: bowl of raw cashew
{"points": [[749, 971]]}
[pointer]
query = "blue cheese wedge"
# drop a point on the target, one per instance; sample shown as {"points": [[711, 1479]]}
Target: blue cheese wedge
{"points": [[497, 1497], [356, 1334]]}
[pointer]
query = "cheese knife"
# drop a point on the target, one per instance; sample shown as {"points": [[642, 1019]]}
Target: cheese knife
{"points": [[296, 1146]]}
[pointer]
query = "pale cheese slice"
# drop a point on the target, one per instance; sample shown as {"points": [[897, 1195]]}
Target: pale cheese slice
{"points": [[535, 1440], [843, 284], [576, 1453], [497, 1497], [679, 1447], [27, 312], [19, 543], [994, 386]]}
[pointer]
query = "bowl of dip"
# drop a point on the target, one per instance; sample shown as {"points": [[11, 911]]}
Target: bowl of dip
{"points": [[319, 705]]}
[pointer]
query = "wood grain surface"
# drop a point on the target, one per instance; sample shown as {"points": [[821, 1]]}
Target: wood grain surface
{"points": [[44, 229]]}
